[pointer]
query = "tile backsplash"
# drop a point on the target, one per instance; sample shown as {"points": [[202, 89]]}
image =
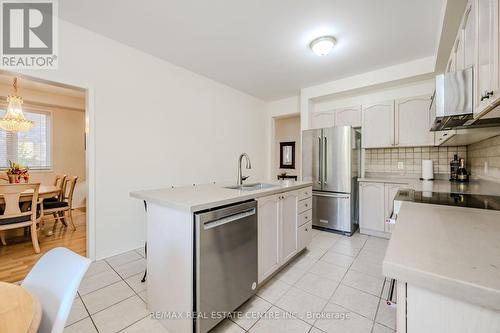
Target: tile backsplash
{"points": [[408, 161], [485, 158]]}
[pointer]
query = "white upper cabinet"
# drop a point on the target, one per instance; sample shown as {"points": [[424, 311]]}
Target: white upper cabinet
{"points": [[412, 122], [468, 35], [458, 49], [487, 54], [322, 119], [378, 125], [349, 116]]}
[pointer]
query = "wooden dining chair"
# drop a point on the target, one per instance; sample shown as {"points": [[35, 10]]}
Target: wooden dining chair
{"points": [[59, 181], [12, 217], [63, 208]]}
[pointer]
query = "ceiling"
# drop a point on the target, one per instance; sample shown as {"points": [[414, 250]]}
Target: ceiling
{"points": [[261, 46]]}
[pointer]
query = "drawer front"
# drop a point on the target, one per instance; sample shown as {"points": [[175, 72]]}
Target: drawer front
{"points": [[305, 234], [305, 205], [305, 193], [305, 217]]}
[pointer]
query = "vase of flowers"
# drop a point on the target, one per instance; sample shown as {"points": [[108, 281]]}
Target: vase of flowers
{"points": [[16, 172]]}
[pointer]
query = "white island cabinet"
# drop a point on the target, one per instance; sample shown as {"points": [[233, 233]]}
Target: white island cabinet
{"points": [[445, 260], [283, 229]]}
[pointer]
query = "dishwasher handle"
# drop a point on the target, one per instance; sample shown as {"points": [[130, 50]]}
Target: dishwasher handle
{"points": [[228, 219]]}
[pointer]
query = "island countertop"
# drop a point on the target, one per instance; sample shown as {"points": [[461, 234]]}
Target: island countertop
{"points": [[453, 251], [200, 197]]}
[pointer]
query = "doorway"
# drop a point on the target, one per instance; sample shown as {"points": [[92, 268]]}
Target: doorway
{"points": [[57, 144], [287, 155]]}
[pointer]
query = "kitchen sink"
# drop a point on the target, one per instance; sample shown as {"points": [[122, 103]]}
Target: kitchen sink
{"points": [[251, 187]]}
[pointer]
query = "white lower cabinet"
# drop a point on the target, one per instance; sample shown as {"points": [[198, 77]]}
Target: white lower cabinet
{"points": [[423, 310], [268, 235], [305, 235], [289, 224], [390, 192], [371, 208], [282, 230], [375, 206]]}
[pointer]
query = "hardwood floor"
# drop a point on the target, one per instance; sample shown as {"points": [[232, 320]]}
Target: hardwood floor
{"points": [[17, 258]]}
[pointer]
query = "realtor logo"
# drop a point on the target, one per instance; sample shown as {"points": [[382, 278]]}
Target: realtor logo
{"points": [[29, 37]]}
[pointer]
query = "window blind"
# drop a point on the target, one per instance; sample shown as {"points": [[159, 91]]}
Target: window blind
{"points": [[31, 148]]}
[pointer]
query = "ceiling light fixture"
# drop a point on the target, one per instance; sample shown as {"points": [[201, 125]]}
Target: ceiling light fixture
{"points": [[14, 120], [323, 45]]}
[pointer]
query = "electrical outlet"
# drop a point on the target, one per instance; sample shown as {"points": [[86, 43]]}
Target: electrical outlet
{"points": [[401, 165]]}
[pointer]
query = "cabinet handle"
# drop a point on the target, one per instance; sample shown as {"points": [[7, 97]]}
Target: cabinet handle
{"points": [[307, 229], [306, 205], [487, 94]]}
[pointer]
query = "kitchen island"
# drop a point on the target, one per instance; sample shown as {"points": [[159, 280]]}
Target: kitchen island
{"points": [[204, 240], [446, 261]]}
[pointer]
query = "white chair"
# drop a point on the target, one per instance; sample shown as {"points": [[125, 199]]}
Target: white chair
{"points": [[54, 280]]}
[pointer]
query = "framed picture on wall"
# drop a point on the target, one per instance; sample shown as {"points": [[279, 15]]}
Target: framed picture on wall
{"points": [[287, 155]]}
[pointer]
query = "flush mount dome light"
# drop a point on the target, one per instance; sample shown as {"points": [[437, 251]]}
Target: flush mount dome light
{"points": [[323, 45]]}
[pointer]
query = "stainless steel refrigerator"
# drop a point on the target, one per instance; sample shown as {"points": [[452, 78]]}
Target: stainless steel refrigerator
{"points": [[331, 160]]}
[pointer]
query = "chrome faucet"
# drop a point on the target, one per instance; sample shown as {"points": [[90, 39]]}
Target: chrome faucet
{"points": [[248, 166]]}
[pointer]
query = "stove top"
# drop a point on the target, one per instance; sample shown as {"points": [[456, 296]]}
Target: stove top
{"points": [[451, 199]]}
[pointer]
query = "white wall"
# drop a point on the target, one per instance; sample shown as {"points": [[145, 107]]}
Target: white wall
{"points": [[156, 125]]}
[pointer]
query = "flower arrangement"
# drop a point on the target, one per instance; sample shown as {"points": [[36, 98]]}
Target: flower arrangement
{"points": [[16, 172]]}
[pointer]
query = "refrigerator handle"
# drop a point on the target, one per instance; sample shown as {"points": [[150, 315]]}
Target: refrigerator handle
{"points": [[320, 176], [325, 152]]}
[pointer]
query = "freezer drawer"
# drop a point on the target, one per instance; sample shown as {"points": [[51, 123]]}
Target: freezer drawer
{"points": [[332, 211]]}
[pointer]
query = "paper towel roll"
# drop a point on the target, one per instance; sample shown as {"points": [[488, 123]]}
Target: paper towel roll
{"points": [[427, 170]]}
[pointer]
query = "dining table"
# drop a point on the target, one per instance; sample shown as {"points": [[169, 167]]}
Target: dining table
{"points": [[44, 192], [20, 310]]}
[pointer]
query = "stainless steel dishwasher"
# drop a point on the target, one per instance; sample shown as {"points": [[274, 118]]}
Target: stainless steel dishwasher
{"points": [[226, 261]]}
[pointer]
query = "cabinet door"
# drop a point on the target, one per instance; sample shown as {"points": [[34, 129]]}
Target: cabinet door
{"points": [[412, 122], [268, 235], [378, 125], [487, 53], [350, 116], [450, 67], [322, 119], [371, 206], [390, 192], [304, 236], [469, 35], [289, 224], [458, 49]]}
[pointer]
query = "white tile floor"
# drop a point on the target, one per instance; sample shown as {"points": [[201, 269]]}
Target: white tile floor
{"points": [[337, 277]]}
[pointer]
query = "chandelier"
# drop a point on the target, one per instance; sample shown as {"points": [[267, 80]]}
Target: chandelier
{"points": [[14, 120]]}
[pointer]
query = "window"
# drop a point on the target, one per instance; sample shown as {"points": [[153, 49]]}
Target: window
{"points": [[31, 148]]}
